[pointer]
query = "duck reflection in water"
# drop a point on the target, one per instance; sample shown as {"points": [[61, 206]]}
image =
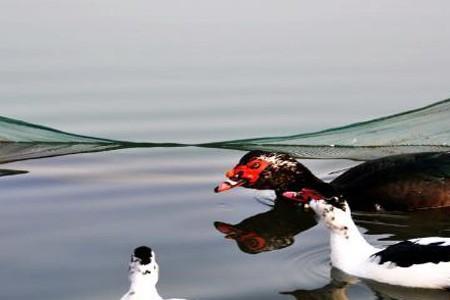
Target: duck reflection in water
{"points": [[271, 230], [335, 290], [340, 283], [403, 226], [276, 228]]}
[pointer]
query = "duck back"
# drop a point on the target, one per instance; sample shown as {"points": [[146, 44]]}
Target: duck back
{"points": [[398, 182]]}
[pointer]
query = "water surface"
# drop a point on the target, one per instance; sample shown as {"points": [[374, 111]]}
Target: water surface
{"points": [[193, 73]]}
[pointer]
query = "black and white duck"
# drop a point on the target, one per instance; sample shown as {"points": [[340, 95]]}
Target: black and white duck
{"points": [[418, 263], [143, 275]]}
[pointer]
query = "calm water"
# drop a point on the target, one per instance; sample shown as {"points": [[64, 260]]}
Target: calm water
{"points": [[197, 71]]}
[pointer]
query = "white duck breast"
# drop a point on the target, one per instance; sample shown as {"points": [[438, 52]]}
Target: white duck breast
{"points": [[423, 263], [143, 275]]}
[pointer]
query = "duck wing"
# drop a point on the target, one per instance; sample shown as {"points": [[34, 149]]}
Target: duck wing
{"points": [[399, 182], [415, 252], [428, 164]]}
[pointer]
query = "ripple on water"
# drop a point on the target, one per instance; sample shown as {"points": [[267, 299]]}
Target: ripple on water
{"points": [[402, 226], [308, 262]]}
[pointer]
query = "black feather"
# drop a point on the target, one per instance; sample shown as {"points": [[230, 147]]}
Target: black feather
{"points": [[408, 253], [144, 253]]}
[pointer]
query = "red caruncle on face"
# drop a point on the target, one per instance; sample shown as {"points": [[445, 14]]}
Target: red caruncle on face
{"points": [[249, 172]]}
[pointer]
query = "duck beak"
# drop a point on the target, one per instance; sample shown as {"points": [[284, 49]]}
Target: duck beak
{"points": [[228, 185], [230, 232], [296, 196], [304, 196]]}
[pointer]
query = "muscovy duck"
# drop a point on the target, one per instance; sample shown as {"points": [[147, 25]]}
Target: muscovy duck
{"points": [[421, 263], [400, 182]]}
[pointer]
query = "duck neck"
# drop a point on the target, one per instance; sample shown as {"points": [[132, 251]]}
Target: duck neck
{"points": [[322, 187], [306, 179], [349, 248], [145, 289]]}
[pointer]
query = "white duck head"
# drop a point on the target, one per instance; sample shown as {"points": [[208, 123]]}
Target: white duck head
{"points": [[334, 212], [143, 268]]}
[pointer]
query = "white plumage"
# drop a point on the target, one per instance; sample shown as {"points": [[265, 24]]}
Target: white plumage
{"points": [[143, 276], [422, 263]]}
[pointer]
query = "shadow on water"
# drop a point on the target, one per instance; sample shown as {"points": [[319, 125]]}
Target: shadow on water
{"points": [[268, 231], [340, 282], [336, 289], [402, 226], [276, 228]]}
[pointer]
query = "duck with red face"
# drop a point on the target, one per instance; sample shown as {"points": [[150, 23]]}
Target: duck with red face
{"points": [[271, 171], [400, 182]]}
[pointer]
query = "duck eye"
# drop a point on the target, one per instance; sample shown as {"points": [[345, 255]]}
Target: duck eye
{"points": [[255, 165]]}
